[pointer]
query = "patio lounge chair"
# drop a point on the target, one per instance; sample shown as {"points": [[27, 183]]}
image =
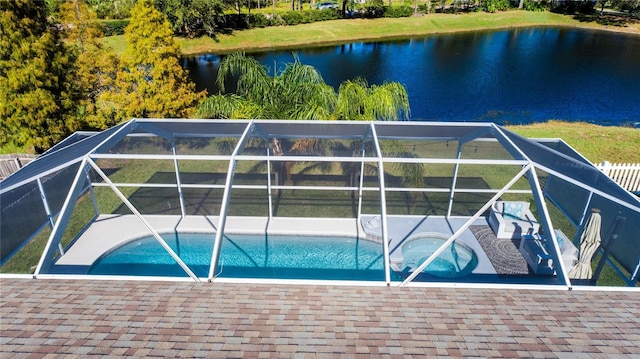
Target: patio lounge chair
{"points": [[512, 220]]}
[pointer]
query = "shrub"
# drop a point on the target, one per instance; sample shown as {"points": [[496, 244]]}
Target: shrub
{"points": [[233, 21], [242, 21], [495, 5], [292, 18], [110, 9], [398, 11], [575, 7], [535, 5], [424, 8], [258, 20], [113, 27], [327, 14], [309, 16], [372, 9]]}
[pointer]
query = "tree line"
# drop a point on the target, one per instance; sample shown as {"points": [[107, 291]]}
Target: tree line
{"points": [[191, 18], [56, 78]]}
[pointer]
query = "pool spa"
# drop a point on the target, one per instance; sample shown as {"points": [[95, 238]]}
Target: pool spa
{"points": [[456, 260]]}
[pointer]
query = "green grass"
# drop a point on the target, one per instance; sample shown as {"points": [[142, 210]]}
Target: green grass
{"points": [[596, 143], [349, 30]]}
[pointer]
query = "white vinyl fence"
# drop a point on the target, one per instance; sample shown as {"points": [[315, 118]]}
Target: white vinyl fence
{"points": [[626, 175]]}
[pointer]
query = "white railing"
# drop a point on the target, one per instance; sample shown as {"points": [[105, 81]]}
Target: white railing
{"points": [[626, 175]]}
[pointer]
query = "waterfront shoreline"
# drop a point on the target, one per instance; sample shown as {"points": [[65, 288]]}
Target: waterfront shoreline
{"points": [[336, 32]]}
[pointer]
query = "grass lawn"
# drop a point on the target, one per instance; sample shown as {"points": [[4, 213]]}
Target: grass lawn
{"points": [[349, 30], [596, 143]]}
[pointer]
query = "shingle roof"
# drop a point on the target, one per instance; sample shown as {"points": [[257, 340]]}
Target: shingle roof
{"points": [[180, 319]]}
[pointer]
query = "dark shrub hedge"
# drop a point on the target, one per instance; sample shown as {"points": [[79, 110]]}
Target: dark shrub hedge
{"points": [[574, 7], [398, 11], [113, 27], [536, 5], [293, 18]]}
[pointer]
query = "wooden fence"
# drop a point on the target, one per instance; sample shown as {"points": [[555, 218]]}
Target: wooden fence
{"points": [[11, 163], [626, 175]]}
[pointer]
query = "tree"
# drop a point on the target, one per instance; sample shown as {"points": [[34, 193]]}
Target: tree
{"points": [[112, 9], [299, 92], [96, 65], [192, 17], [37, 95], [151, 82], [296, 92], [358, 101]]}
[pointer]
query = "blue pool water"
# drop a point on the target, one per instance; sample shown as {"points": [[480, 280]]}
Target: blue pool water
{"points": [[457, 260], [245, 256]]}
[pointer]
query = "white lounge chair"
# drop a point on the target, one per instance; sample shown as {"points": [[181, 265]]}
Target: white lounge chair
{"points": [[512, 220]]}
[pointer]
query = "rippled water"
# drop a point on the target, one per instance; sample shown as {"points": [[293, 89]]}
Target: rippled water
{"points": [[510, 76]]}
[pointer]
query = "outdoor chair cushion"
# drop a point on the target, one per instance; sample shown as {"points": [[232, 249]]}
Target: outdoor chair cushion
{"points": [[512, 220], [514, 210]]}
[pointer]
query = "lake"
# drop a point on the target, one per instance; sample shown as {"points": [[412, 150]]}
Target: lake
{"points": [[515, 76]]}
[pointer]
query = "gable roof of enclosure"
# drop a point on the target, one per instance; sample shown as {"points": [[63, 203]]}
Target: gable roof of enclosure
{"points": [[553, 157]]}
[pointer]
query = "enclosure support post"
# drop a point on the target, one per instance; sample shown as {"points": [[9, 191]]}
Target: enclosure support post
{"points": [[269, 181], [455, 179], [65, 213], [178, 182], [217, 244], [464, 227], [361, 183], [634, 276], [546, 225], [383, 207], [94, 200], [605, 253], [576, 239], [47, 210], [45, 203]]}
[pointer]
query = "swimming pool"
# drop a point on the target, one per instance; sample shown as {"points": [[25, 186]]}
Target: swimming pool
{"points": [[455, 261], [249, 256]]}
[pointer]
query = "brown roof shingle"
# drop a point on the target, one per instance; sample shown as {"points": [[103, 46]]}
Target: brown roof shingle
{"points": [[181, 319]]}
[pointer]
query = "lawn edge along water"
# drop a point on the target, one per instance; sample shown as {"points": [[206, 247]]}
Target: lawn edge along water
{"points": [[350, 30]]}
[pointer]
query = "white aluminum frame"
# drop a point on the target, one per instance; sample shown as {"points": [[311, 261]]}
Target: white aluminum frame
{"points": [[520, 159]]}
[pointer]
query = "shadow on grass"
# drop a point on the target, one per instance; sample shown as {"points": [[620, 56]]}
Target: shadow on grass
{"points": [[301, 202], [608, 19]]}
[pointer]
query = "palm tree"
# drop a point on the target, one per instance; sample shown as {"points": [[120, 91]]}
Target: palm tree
{"points": [[298, 92], [358, 101]]}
